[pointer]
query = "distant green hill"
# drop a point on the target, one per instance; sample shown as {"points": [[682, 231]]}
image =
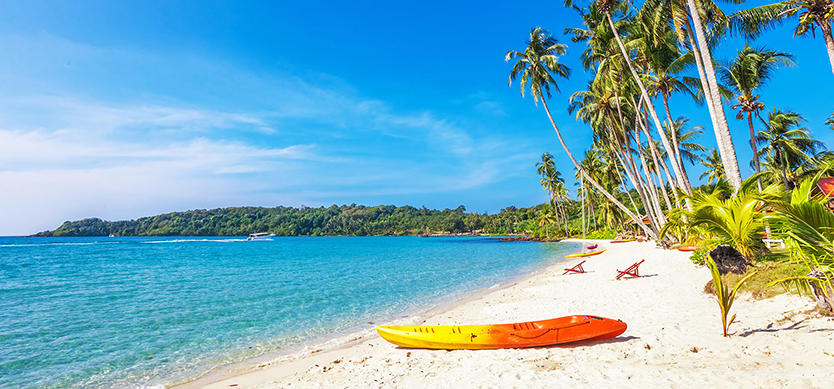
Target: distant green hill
{"points": [[350, 220]]}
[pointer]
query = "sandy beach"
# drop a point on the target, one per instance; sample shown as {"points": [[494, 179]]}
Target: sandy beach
{"points": [[674, 337]]}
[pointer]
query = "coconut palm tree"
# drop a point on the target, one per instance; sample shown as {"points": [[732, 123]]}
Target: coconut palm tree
{"points": [[686, 141], [714, 165], [784, 143], [536, 66], [546, 219], [748, 72], [689, 20], [665, 79], [810, 14], [550, 176]]}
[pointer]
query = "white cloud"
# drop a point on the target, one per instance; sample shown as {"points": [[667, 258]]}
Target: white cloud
{"points": [[65, 155]]}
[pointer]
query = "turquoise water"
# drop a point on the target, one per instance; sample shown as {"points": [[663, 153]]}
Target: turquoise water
{"points": [[133, 312]]}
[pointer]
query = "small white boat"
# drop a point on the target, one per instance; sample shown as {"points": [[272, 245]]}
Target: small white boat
{"points": [[260, 236]]}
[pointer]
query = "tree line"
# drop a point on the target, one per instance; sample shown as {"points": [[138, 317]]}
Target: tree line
{"points": [[345, 220]]}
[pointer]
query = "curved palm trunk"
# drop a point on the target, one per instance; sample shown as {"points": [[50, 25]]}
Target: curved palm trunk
{"points": [[825, 26], [626, 159], [722, 131], [645, 95], [625, 189], [755, 149], [595, 184], [675, 144], [659, 162], [651, 188], [641, 192]]}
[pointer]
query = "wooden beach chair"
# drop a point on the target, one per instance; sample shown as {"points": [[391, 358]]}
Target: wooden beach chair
{"points": [[632, 271], [576, 269]]}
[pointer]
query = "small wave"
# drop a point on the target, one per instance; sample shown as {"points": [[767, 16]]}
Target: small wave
{"points": [[55, 244], [193, 241]]}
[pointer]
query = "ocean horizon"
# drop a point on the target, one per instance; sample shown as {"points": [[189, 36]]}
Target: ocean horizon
{"points": [[153, 311]]}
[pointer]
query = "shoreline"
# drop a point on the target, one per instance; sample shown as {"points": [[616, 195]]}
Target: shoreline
{"points": [[674, 336], [308, 353]]}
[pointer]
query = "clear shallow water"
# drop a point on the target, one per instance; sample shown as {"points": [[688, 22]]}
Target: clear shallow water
{"points": [[127, 312]]}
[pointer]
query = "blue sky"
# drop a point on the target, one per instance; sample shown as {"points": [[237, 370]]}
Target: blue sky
{"points": [[121, 110]]}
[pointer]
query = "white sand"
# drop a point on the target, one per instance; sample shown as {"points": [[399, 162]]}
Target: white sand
{"points": [[674, 338]]}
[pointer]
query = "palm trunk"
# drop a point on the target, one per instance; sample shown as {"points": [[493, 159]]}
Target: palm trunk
{"points": [[645, 95], [784, 168], [595, 184], [675, 144], [825, 26], [656, 156], [755, 149], [725, 140], [625, 189], [651, 188], [584, 196], [626, 159]]}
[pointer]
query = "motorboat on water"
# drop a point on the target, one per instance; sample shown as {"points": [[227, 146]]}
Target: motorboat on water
{"points": [[260, 236]]}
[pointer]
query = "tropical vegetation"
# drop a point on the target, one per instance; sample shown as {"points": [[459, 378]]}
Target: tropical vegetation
{"points": [[641, 58]]}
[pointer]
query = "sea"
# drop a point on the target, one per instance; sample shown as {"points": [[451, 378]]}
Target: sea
{"points": [[149, 312]]}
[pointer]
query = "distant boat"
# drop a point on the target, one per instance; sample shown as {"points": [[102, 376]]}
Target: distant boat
{"points": [[260, 236]]}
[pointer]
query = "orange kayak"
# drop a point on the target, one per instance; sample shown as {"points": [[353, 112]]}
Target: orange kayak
{"points": [[584, 254], [624, 240], [686, 248], [530, 334]]}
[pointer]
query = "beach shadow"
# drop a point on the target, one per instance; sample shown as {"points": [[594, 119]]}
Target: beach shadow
{"points": [[634, 278], [619, 339], [586, 271], [769, 328]]}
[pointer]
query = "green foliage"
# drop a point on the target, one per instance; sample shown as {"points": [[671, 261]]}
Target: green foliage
{"points": [[699, 256], [807, 226], [737, 221], [760, 285], [345, 220], [726, 297], [602, 234]]}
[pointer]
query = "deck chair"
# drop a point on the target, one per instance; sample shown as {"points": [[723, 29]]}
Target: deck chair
{"points": [[576, 269], [632, 271]]}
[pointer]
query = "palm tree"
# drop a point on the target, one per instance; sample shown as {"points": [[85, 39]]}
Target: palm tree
{"points": [[550, 176], [809, 13], [785, 144], [665, 80], [715, 168], [607, 6], [686, 141], [689, 20], [736, 220], [560, 193], [830, 121], [535, 66], [748, 72], [546, 219]]}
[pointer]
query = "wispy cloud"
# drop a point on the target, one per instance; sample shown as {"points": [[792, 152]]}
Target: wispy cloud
{"points": [[275, 139]]}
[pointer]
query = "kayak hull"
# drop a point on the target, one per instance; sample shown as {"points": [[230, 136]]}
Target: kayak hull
{"points": [[623, 240], [686, 248], [516, 335], [584, 254]]}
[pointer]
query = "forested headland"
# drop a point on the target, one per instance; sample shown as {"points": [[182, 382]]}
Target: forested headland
{"points": [[345, 220]]}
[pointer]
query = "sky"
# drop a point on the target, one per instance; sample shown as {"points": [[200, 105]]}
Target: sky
{"points": [[125, 109]]}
